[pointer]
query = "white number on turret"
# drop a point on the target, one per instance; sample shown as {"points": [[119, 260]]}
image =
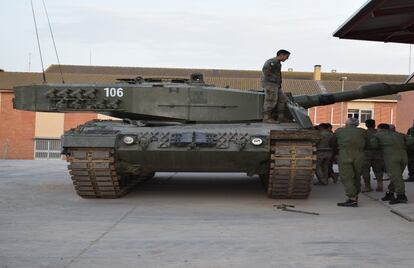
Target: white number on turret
{"points": [[114, 92]]}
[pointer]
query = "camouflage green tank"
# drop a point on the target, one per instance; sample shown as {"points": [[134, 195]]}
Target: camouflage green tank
{"points": [[184, 125]]}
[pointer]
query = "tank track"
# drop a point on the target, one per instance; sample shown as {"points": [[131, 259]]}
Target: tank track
{"points": [[94, 174], [292, 165]]}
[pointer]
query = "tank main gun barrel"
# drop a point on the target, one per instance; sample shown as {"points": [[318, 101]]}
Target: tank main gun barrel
{"points": [[363, 92]]}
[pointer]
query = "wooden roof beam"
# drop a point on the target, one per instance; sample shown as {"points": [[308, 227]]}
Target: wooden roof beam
{"points": [[393, 11]]}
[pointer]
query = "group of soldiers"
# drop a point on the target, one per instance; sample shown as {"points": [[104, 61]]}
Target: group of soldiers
{"points": [[357, 150]]}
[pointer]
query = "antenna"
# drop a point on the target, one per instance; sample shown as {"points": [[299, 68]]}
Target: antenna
{"points": [[409, 62], [53, 39], [38, 42], [30, 60]]}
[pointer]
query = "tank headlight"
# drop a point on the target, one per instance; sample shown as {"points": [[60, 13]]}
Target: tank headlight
{"points": [[128, 140], [257, 141]]}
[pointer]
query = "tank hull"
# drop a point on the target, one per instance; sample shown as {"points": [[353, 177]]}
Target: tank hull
{"points": [[112, 152], [183, 148]]}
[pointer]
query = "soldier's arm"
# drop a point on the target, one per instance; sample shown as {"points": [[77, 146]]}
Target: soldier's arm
{"points": [[333, 142], [367, 141], [267, 67], [409, 141]]}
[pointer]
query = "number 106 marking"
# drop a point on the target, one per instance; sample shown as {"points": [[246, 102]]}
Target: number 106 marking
{"points": [[114, 92]]}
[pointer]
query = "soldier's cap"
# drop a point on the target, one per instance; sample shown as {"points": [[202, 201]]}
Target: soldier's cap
{"points": [[352, 121]]}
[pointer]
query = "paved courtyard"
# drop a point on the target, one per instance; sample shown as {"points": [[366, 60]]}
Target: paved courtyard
{"points": [[192, 220]]}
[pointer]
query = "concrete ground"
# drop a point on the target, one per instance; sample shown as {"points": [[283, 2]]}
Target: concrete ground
{"points": [[191, 220]]}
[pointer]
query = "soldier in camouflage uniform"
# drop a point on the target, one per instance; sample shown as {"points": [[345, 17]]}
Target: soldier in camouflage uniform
{"points": [[393, 146], [410, 154], [272, 84], [332, 174], [373, 158], [324, 154], [351, 142]]}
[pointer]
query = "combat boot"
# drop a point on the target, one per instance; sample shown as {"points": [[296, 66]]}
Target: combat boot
{"points": [[321, 183], [379, 186], [409, 179], [388, 196], [335, 177], [348, 203], [401, 199]]}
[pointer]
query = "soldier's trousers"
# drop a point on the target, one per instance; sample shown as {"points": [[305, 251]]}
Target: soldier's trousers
{"points": [[395, 166], [377, 164], [323, 161], [410, 165], [350, 169], [274, 96]]}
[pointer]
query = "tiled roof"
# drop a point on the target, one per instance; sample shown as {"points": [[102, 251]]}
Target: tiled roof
{"points": [[181, 72], [10, 79]]}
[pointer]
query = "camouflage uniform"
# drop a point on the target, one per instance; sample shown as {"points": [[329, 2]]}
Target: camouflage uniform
{"points": [[410, 154], [393, 146], [373, 158], [350, 141], [272, 84], [324, 157]]}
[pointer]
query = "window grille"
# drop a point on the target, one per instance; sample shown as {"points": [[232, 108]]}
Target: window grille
{"points": [[362, 115], [47, 149]]}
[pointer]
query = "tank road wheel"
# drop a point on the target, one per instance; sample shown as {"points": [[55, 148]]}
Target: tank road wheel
{"points": [[94, 175], [292, 166]]}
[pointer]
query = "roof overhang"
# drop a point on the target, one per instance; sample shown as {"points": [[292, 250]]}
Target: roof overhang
{"points": [[381, 20]]}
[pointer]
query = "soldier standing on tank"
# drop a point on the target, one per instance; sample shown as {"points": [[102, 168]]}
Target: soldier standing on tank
{"points": [[275, 100], [394, 149], [350, 141], [373, 158], [324, 154], [410, 154]]}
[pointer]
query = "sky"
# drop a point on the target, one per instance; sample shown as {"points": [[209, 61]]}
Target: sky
{"points": [[214, 34]]}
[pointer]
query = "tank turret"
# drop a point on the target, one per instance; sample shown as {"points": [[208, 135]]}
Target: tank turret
{"points": [[183, 100]]}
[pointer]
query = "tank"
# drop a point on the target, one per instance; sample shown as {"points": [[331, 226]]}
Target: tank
{"points": [[184, 125]]}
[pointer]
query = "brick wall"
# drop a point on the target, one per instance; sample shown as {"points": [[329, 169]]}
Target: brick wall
{"points": [[17, 129], [384, 112], [328, 114], [405, 111]]}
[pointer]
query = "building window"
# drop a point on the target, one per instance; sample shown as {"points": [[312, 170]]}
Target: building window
{"points": [[362, 115], [353, 113], [47, 149], [365, 115]]}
